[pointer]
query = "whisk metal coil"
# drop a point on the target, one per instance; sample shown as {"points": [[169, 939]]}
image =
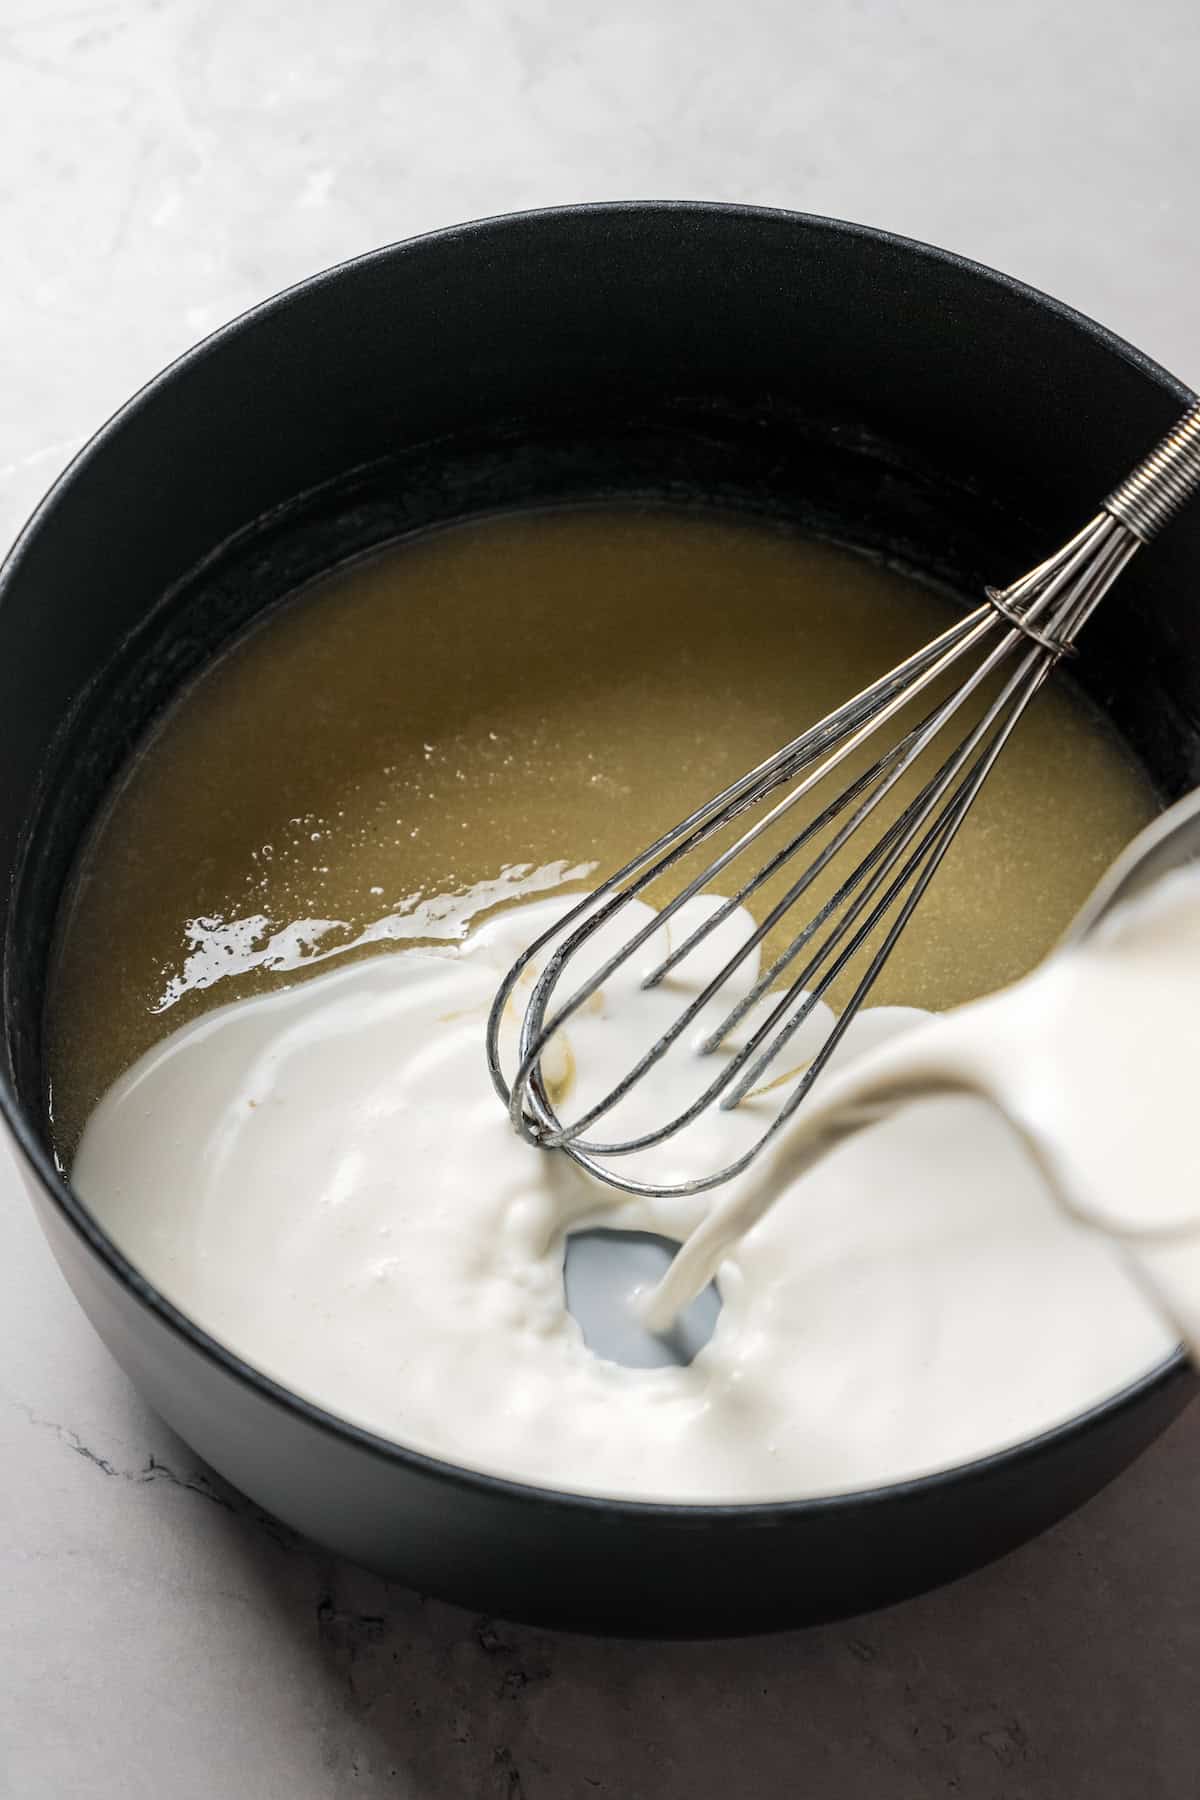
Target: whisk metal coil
{"points": [[1013, 639]]}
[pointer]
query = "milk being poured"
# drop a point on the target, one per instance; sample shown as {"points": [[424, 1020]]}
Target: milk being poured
{"points": [[1092, 1063]]}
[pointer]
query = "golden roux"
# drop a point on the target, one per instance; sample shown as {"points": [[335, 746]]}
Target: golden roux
{"points": [[534, 689]]}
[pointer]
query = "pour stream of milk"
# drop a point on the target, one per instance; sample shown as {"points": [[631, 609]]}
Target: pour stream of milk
{"points": [[324, 1179], [1092, 1060]]}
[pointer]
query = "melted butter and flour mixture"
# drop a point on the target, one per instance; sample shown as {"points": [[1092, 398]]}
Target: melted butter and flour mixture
{"points": [[284, 935]]}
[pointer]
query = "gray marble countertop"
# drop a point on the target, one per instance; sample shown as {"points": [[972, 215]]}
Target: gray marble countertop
{"points": [[168, 162]]}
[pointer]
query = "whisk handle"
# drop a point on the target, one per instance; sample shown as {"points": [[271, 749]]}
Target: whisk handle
{"points": [[1151, 495]]}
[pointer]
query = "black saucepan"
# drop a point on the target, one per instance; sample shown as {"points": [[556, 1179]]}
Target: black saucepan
{"points": [[878, 392]]}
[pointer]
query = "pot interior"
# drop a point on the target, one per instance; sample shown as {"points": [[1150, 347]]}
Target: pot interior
{"points": [[866, 391]]}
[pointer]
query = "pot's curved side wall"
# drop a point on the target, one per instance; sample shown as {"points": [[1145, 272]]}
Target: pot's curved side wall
{"points": [[629, 1571]]}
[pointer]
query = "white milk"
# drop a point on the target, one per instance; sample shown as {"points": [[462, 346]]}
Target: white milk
{"points": [[324, 1178]]}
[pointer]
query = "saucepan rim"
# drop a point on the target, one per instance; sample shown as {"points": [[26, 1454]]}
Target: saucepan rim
{"points": [[68, 1204]]}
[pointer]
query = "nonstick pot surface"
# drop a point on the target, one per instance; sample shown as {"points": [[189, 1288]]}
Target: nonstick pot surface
{"points": [[871, 390]]}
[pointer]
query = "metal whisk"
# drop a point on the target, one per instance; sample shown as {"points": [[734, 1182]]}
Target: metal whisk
{"points": [[1016, 637]]}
